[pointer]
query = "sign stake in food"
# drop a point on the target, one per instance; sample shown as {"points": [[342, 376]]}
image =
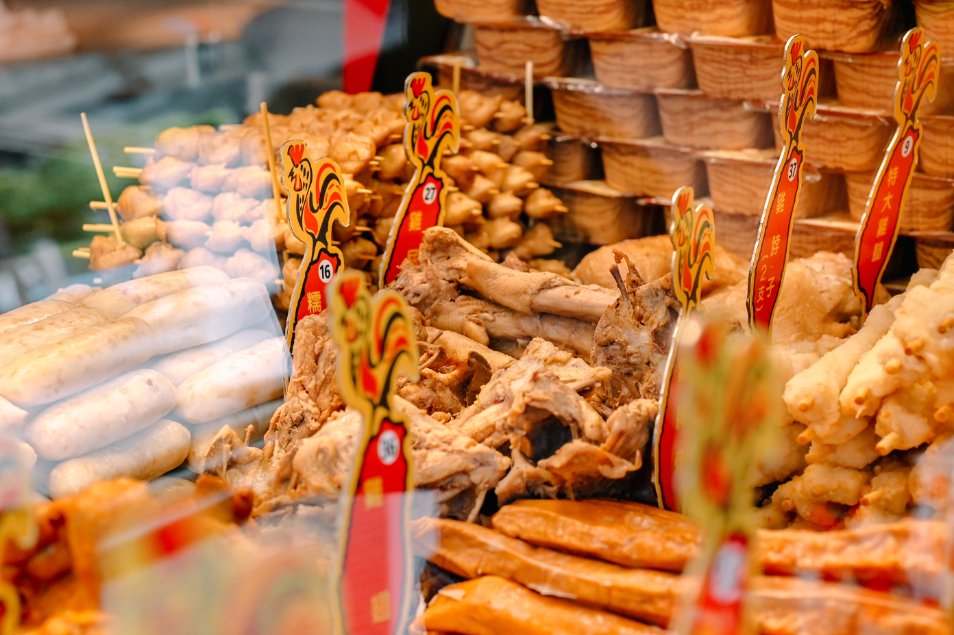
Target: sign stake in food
{"points": [[432, 130], [376, 344], [799, 97], [731, 412], [270, 157], [918, 71], [316, 200], [17, 525], [693, 237]]}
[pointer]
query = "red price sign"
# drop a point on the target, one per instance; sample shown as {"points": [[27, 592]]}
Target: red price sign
{"points": [[376, 345], [799, 97], [918, 69], [316, 201], [432, 130]]}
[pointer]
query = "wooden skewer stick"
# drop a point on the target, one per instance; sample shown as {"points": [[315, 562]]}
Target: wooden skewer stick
{"points": [[126, 172], [98, 205], [107, 196], [362, 228], [364, 190], [138, 150], [270, 155], [97, 227], [455, 83], [83, 252], [562, 208], [528, 90]]}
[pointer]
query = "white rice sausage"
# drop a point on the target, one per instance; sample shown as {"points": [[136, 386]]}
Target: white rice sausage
{"points": [[178, 367], [242, 380], [119, 299], [23, 340], [147, 455], [101, 416], [30, 313], [200, 315], [89, 357], [10, 415]]}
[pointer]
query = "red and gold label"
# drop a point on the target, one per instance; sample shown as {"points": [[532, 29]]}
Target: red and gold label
{"points": [[316, 200], [376, 344], [693, 237], [799, 97], [432, 130], [918, 71]]}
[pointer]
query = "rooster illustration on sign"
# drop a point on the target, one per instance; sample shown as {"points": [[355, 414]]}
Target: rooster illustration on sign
{"points": [[316, 200], [432, 130]]}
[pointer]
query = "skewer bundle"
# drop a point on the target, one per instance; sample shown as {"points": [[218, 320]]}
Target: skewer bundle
{"points": [[206, 196]]}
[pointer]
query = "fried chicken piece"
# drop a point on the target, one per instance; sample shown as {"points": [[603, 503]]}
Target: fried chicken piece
{"points": [[533, 137], [225, 237], [181, 203], [811, 396], [538, 241], [334, 100], [482, 139], [510, 116], [783, 460], [481, 189], [461, 209], [262, 235], [183, 143], [822, 493], [209, 179], [202, 257], [543, 204], [166, 173], [905, 419], [855, 453], [497, 234], [235, 207], [505, 205], [137, 201], [158, 258], [353, 152], [358, 252], [224, 147], [106, 252], [476, 109], [394, 163], [248, 264], [251, 181], [188, 234], [516, 180], [534, 162]]}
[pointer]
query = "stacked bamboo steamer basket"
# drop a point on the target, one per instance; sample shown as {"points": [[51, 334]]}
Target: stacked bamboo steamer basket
{"points": [[692, 100]]}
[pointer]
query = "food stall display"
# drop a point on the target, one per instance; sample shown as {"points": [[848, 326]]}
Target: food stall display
{"points": [[480, 435]]}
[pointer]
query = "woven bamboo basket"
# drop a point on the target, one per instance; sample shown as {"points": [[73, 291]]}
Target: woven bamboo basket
{"points": [[843, 140], [588, 109], [600, 215], [737, 233], [596, 15], [641, 59], [937, 146], [743, 68], [573, 160], [739, 183], [507, 47], [851, 26], [693, 119], [930, 201], [729, 18], [481, 10], [931, 252], [936, 17], [869, 81], [652, 167], [472, 78]]}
